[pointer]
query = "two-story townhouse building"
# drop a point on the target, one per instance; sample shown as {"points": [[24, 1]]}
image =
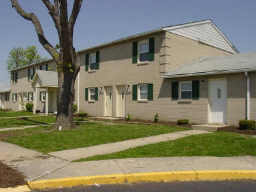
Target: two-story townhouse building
{"points": [[181, 71]]}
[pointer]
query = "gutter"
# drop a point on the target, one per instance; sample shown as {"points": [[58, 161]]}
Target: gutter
{"points": [[248, 97]]}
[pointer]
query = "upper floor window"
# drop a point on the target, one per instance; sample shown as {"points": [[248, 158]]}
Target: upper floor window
{"points": [[14, 76], [92, 61], [143, 51]]}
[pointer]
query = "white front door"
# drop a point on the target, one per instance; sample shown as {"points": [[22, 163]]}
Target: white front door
{"points": [[121, 101], [217, 100], [108, 101]]}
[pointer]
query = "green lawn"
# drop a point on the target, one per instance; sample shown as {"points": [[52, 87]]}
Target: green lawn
{"points": [[219, 144], [48, 139], [15, 113], [17, 122]]}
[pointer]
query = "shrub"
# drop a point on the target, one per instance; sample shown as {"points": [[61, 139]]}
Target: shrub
{"points": [[183, 122], [74, 108], [29, 107], [156, 118], [247, 124], [82, 115], [128, 117]]}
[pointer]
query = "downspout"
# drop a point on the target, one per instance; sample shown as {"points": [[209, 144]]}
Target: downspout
{"points": [[248, 96]]}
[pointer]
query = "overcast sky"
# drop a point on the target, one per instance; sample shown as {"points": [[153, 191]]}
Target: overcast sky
{"points": [[105, 20]]}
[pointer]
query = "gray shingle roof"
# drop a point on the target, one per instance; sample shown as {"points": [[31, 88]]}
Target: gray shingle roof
{"points": [[47, 78], [216, 65]]}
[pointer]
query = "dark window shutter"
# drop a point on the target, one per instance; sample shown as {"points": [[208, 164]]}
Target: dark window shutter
{"points": [[96, 94], [97, 60], [134, 92], [195, 89], [151, 49], [87, 61], [86, 94], [175, 90], [150, 92], [135, 52]]}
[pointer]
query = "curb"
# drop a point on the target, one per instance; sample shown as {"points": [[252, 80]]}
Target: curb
{"points": [[173, 176]]}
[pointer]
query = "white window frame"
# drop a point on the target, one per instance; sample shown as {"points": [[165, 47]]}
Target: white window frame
{"points": [[92, 55], [25, 96], [89, 94], [14, 97], [42, 96], [146, 41], [180, 90], [138, 92], [30, 96]]}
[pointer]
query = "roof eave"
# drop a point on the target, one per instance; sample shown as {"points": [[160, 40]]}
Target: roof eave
{"points": [[207, 73]]}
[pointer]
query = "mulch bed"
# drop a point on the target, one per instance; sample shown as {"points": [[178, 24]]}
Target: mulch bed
{"points": [[140, 121], [9, 177], [237, 130]]}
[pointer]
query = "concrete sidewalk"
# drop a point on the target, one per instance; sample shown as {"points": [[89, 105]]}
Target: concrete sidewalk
{"points": [[75, 154], [144, 165]]}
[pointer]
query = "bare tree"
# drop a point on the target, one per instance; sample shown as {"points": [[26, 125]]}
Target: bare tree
{"points": [[65, 57]]}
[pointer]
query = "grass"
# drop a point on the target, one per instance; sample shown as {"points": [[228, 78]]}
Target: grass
{"points": [[48, 139], [219, 144], [17, 122], [15, 113]]}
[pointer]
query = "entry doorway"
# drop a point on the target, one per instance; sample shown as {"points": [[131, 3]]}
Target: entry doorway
{"points": [[121, 101], [108, 101], [217, 100]]}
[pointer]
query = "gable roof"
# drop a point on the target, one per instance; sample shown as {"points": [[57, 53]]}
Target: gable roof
{"points": [[46, 78], [216, 65], [206, 32]]}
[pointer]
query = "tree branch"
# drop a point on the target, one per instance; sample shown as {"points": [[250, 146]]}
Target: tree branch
{"points": [[73, 17], [54, 13], [38, 27]]}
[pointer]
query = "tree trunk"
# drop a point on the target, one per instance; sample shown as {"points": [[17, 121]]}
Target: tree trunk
{"points": [[65, 100]]}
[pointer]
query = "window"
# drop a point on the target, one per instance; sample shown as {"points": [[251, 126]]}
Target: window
{"points": [[25, 96], [42, 96], [92, 94], [143, 50], [92, 61], [7, 95], [14, 76], [46, 67], [30, 96], [143, 91], [186, 90], [14, 97], [41, 67]]}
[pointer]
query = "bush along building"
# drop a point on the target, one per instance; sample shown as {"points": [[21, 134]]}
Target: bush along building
{"points": [[188, 71]]}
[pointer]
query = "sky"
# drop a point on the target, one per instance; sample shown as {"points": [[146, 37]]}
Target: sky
{"points": [[102, 21]]}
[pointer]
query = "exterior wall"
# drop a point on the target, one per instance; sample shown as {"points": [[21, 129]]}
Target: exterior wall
{"points": [[253, 96], [116, 69], [3, 103], [181, 50], [25, 85]]}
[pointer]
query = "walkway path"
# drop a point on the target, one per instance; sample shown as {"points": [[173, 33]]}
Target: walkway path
{"points": [[143, 165], [23, 127], [75, 154]]}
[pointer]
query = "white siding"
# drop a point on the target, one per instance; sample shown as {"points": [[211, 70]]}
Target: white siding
{"points": [[205, 32]]}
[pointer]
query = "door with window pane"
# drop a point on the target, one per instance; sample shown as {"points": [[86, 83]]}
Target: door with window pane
{"points": [[108, 101], [217, 100], [121, 101]]}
